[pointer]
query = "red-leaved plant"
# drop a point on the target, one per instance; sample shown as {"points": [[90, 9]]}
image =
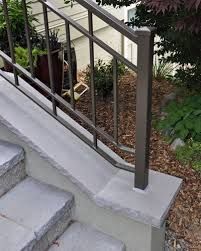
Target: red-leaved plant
{"points": [[178, 24], [191, 21]]}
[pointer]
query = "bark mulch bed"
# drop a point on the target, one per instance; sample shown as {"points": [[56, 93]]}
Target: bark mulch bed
{"points": [[184, 221]]}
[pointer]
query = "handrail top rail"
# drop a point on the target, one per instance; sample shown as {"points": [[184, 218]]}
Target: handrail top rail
{"points": [[107, 18]]}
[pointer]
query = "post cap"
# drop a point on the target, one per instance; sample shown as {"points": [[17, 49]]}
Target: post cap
{"points": [[145, 31]]}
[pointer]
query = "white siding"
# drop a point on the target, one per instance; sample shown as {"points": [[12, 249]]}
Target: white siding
{"points": [[79, 14], [107, 34]]}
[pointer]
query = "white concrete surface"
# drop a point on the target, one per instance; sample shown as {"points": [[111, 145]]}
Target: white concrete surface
{"points": [[150, 205], [80, 237], [56, 156]]}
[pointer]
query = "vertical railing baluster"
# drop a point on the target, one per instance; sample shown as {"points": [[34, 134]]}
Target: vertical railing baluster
{"points": [[143, 106], [115, 93], [27, 31], [10, 40], [70, 69], [50, 64], [92, 87]]}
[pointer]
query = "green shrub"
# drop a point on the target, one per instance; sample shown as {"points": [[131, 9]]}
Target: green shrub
{"points": [[190, 154], [16, 17], [22, 57], [190, 78], [103, 77], [183, 119]]}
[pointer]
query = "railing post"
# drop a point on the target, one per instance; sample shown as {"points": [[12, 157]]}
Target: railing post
{"points": [[92, 86], [143, 105], [49, 55], [27, 31], [10, 40]]}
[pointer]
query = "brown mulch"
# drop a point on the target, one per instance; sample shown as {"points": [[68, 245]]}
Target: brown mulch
{"points": [[184, 220]]}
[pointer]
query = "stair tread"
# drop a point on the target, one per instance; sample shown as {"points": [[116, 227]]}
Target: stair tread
{"points": [[14, 237], [10, 155], [34, 206], [81, 237]]}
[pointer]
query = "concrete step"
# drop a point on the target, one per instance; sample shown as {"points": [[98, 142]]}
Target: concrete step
{"points": [[80, 237], [12, 168], [33, 215]]}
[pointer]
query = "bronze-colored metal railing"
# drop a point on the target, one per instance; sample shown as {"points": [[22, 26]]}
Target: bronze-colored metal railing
{"points": [[143, 37]]}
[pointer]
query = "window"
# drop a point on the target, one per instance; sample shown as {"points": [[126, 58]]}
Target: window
{"points": [[130, 48], [131, 15]]}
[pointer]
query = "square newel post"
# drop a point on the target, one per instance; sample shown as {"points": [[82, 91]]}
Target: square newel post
{"points": [[143, 105]]}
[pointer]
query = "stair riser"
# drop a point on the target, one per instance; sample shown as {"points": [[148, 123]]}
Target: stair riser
{"points": [[12, 177], [54, 232], [81, 237]]}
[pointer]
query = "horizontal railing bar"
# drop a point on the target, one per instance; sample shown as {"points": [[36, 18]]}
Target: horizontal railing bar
{"points": [[93, 38], [128, 167], [126, 148], [125, 166], [66, 104], [109, 19]]}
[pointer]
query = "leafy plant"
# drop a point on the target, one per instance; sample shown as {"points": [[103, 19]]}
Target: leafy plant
{"points": [[69, 1], [191, 21], [39, 41], [16, 17], [190, 154], [22, 56], [54, 40], [183, 119], [39, 49], [103, 76], [189, 77], [163, 70]]}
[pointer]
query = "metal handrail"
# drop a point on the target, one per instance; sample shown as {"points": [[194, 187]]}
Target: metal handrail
{"points": [[143, 38]]}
